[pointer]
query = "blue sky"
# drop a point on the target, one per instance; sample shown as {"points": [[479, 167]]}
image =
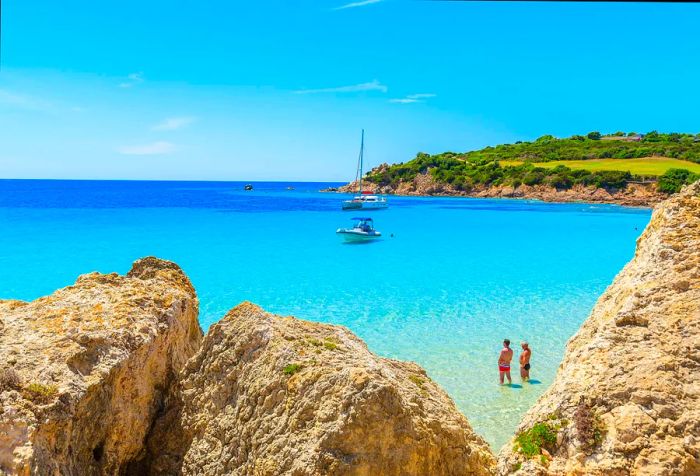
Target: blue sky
{"points": [[279, 90]]}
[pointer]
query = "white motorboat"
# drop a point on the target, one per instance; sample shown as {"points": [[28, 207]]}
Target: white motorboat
{"points": [[362, 230], [364, 200]]}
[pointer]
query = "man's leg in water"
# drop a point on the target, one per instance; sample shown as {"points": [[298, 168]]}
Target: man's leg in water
{"points": [[508, 376], [500, 375]]}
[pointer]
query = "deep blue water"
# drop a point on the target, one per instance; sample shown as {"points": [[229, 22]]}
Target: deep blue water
{"points": [[457, 276]]}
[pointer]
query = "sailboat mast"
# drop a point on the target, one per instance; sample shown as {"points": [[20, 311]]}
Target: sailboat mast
{"points": [[362, 149]]}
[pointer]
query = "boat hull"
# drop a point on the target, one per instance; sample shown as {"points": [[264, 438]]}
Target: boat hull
{"points": [[359, 205], [352, 236]]}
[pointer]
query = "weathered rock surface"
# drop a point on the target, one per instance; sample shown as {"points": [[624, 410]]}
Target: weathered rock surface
{"points": [[270, 395], [627, 395], [83, 371], [634, 194]]}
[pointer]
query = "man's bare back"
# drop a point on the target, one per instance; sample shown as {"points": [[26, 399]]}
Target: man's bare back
{"points": [[504, 359], [506, 356]]}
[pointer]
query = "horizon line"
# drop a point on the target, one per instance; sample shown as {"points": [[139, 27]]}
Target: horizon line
{"points": [[170, 180]]}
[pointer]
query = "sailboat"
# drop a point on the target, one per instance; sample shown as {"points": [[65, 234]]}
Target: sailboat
{"points": [[364, 200]]}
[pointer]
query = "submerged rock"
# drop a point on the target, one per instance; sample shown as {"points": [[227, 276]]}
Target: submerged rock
{"points": [[84, 371], [626, 399], [270, 395]]}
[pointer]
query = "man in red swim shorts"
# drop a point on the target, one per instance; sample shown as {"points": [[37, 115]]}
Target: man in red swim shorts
{"points": [[504, 359]]}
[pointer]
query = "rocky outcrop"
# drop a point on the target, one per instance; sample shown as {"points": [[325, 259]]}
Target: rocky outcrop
{"points": [[84, 371], [626, 399], [634, 194], [270, 395]]}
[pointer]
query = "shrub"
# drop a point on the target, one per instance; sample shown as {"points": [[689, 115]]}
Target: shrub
{"points": [[595, 135], [9, 380], [291, 369], [673, 180], [40, 393], [315, 342], [330, 345], [589, 429], [559, 181], [530, 442], [419, 381]]}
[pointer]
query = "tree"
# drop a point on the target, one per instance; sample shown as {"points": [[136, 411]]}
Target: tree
{"points": [[595, 135], [673, 179]]}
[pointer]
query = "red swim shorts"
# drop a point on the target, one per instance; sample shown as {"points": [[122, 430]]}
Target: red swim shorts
{"points": [[504, 368]]}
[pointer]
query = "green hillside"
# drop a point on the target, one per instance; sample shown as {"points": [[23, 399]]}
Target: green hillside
{"points": [[671, 159]]}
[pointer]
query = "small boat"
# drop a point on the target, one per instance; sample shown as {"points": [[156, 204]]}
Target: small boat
{"points": [[364, 200], [362, 230], [248, 187], [290, 188]]}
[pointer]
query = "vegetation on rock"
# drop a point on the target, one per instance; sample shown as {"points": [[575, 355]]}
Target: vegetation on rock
{"points": [[589, 429], [9, 380], [531, 441], [291, 369], [40, 393]]}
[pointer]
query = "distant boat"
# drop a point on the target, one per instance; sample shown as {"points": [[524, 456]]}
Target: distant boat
{"points": [[364, 200], [362, 230], [248, 187], [290, 188]]}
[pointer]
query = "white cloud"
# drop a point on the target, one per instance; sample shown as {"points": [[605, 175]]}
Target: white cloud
{"points": [[23, 101], [371, 86], [134, 79], [154, 148], [173, 123], [413, 98], [357, 4]]}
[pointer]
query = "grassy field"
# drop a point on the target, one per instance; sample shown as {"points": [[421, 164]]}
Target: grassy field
{"points": [[644, 166]]}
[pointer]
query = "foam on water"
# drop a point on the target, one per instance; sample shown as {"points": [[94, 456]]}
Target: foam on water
{"points": [[457, 276]]}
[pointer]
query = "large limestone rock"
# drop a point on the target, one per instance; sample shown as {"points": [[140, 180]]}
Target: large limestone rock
{"points": [[270, 395], [626, 399], [83, 372]]}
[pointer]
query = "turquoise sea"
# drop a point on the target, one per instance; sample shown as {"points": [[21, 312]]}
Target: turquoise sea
{"points": [[457, 277]]}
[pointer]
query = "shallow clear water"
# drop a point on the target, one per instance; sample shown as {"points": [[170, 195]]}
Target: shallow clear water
{"points": [[457, 277]]}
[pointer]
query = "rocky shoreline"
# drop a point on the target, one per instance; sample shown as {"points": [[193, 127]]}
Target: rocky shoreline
{"points": [[634, 195], [113, 375]]}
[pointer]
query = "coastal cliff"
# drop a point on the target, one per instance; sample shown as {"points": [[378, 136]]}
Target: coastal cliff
{"points": [[270, 395], [424, 184], [83, 372], [626, 399]]}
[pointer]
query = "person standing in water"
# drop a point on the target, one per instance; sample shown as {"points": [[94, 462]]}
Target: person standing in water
{"points": [[504, 359], [525, 361]]}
